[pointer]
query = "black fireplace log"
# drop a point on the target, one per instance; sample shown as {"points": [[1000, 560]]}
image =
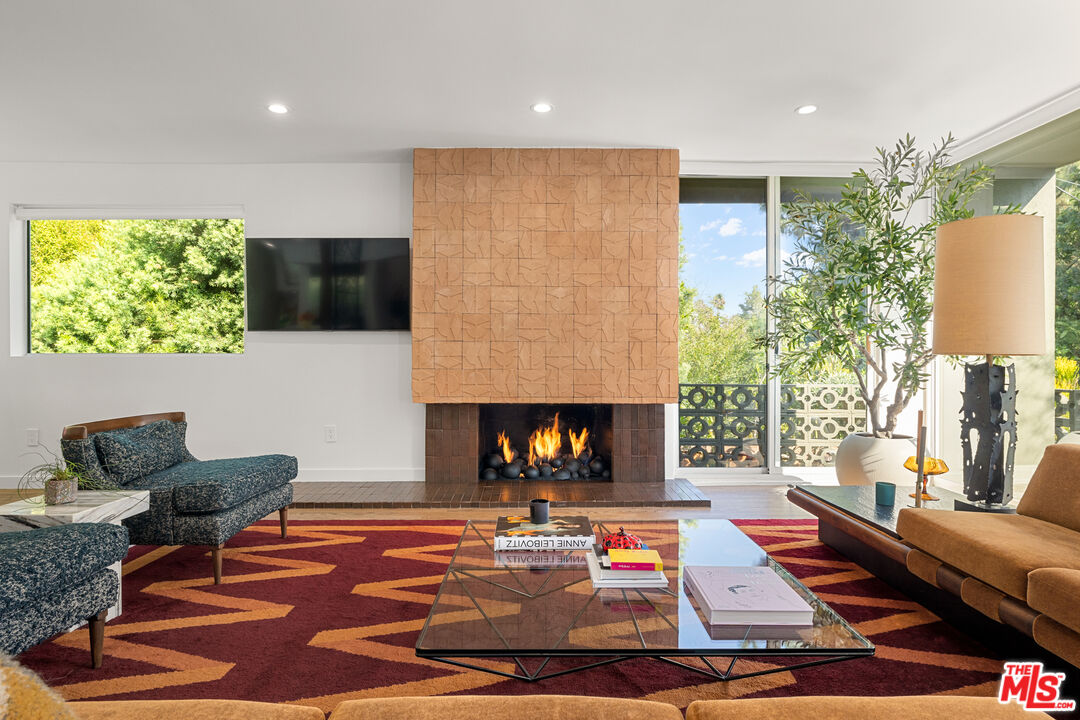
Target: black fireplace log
{"points": [[560, 468]]}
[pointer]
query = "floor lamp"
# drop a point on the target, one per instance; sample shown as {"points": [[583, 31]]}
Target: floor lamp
{"points": [[989, 300]]}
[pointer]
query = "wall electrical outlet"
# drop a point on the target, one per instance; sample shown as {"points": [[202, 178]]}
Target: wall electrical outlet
{"points": [[32, 437], [330, 433]]}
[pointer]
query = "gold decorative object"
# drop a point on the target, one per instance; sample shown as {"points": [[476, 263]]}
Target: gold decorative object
{"points": [[930, 466]]}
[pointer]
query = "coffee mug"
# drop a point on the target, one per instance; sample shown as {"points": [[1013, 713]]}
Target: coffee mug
{"points": [[886, 493], [538, 511]]}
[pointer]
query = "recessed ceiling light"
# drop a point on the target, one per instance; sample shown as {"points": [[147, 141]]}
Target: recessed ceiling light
{"points": [[542, 107], [277, 108], [806, 109]]}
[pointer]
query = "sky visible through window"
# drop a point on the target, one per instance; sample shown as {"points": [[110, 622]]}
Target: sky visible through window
{"points": [[725, 249]]}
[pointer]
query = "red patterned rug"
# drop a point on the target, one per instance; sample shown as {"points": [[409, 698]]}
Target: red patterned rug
{"points": [[333, 613]]}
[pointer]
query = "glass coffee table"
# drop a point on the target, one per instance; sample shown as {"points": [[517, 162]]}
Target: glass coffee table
{"points": [[493, 605]]}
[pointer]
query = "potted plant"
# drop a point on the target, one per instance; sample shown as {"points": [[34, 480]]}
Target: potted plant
{"points": [[858, 289], [60, 480]]}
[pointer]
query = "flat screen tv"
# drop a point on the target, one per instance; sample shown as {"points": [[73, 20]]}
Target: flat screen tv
{"points": [[328, 283]]}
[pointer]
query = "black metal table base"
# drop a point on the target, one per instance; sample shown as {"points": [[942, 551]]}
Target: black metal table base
{"points": [[712, 671]]}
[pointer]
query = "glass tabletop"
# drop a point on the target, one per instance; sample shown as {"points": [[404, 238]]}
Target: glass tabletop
{"points": [[496, 604], [860, 501]]}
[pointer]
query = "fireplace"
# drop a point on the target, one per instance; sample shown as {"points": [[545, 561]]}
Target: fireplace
{"points": [[545, 280], [545, 441], [460, 438]]}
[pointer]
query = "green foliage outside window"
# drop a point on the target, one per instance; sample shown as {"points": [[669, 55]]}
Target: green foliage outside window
{"points": [[1067, 321], [718, 348], [137, 286]]}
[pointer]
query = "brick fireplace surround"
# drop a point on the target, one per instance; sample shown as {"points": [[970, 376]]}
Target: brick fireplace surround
{"points": [[545, 275]]}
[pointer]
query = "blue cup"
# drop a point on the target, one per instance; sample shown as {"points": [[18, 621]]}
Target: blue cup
{"points": [[885, 493]]}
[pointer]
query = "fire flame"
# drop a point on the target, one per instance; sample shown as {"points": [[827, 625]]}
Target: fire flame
{"points": [[578, 442], [504, 441], [545, 443]]}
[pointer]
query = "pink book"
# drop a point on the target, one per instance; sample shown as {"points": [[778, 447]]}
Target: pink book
{"points": [[746, 596]]}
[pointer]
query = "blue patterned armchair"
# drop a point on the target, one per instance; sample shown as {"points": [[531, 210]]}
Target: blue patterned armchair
{"points": [[54, 578], [192, 502]]}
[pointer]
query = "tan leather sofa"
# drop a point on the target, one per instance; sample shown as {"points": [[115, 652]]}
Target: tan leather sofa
{"points": [[563, 707], [1022, 570], [858, 708], [461, 707], [192, 710]]}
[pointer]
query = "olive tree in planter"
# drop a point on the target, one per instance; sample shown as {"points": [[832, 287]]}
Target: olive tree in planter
{"points": [[858, 289]]}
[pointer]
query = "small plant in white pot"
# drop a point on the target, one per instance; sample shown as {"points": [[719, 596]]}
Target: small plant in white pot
{"points": [[858, 290]]}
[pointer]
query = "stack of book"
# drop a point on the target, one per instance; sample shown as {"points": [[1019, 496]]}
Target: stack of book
{"points": [[518, 532], [729, 596], [626, 569]]}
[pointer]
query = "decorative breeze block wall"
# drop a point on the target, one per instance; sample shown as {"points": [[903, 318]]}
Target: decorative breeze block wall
{"points": [[545, 275]]}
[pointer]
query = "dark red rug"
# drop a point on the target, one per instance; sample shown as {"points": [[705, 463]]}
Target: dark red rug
{"points": [[333, 613]]}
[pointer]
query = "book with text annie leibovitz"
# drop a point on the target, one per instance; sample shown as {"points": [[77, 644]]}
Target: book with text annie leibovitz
{"points": [[517, 532]]}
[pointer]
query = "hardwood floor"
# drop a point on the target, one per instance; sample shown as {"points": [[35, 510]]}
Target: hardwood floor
{"points": [[729, 501], [497, 494], [747, 502]]}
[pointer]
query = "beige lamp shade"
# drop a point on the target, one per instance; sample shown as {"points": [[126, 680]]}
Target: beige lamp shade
{"points": [[989, 294]]}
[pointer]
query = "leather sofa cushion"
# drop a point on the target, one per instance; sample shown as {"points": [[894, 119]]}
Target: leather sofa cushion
{"points": [[1056, 592], [1053, 494], [1058, 639], [859, 708], [511, 707], [37, 564], [192, 710], [998, 549], [205, 486]]}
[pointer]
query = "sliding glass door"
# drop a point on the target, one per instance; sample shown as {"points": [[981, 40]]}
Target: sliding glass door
{"points": [[732, 415]]}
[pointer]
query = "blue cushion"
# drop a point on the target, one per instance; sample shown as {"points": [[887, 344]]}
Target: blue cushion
{"points": [[36, 564], [210, 485], [82, 455], [135, 452]]}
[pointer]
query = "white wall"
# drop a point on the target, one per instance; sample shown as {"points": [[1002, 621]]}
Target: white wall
{"points": [[275, 397]]}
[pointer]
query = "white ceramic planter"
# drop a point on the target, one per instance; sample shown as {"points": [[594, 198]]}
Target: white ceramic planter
{"points": [[863, 459]]}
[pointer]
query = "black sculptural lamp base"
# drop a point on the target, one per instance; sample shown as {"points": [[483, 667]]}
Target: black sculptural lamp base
{"points": [[988, 414], [983, 507]]}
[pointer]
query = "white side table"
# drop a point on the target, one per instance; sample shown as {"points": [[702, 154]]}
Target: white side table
{"points": [[104, 506]]}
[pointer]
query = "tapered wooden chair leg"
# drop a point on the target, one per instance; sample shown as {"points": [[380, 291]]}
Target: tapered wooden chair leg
{"points": [[283, 515], [97, 637], [216, 555]]}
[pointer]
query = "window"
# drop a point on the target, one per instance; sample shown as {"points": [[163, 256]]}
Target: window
{"points": [[1067, 301], [722, 390], [731, 413], [816, 411], [136, 286]]}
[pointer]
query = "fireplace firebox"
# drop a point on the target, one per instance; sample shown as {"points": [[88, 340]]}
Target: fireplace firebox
{"points": [[515, 441], [550, 442]]}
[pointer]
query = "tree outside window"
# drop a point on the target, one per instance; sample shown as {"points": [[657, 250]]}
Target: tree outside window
{"points": [[137, 286]]}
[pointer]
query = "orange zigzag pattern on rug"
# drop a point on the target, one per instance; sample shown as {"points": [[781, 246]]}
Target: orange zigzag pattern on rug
{"points": [[181, 668], [186, 668]]}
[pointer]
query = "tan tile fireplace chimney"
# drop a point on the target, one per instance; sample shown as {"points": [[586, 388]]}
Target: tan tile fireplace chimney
{"points": [[544, 275]]}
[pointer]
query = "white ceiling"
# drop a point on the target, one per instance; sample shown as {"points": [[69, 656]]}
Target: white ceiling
{"points": [[188, 80]]}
